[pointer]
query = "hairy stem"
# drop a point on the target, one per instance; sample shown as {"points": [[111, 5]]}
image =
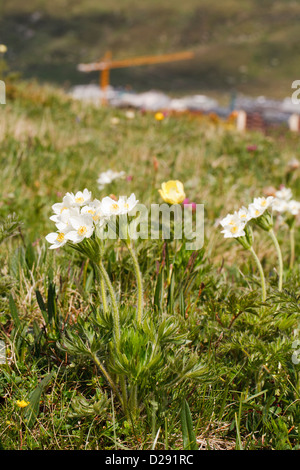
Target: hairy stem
{"points": [[107, 376], [139, 280], [117, 331], [275, 241], [115, 310], [261, 272], [102, 288], [103, 294]]}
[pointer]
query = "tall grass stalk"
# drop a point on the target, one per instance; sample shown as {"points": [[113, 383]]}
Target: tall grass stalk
{"points": [[261, 273]]}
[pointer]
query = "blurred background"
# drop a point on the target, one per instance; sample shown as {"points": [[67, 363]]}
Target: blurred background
{"points": [[249, 46]]}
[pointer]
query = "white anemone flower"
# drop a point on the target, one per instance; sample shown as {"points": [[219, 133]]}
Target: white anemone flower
{"points": [[62, 220], [284, 193], [57, 239], [123, 205], [293, 207], [94, 210], [110, 206], [259, 206], [234, 230], [230, 219], [82, 227], [130, 114], [80, 198], [243, 214], [127, 203], [108, 177], [280, 205], [60, 207]]}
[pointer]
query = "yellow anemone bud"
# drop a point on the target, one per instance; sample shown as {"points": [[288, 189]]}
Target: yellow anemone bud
{"points": [[159, 116], [172, 192], [22, 403], [3, 48]]}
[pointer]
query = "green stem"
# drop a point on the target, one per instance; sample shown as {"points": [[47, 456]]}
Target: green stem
{"points": [[105, 373], [139, 281], [102, 288], [261, 272], [107, 376], [117, 331], [115, 310], [292, 242], [273, 236], [103, 294]]}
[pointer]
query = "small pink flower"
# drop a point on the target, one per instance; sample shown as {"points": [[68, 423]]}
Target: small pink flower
{"points": [[191, 205], [129, 178], [251, 148]]}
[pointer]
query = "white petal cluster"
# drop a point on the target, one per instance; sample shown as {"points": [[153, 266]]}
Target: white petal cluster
{"points": [[283, 202], [234, 224], [77, 216], [122, 206], [108, 177], [259, 206]]}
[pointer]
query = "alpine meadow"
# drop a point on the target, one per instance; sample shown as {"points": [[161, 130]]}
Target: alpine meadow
{"points": [[116, 331]]}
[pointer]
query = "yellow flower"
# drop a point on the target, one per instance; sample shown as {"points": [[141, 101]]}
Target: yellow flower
{"points": [[22, 403], [172, 192], [159, 116], [3, 48]]}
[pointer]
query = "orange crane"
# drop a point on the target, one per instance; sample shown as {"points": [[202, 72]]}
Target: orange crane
{"points": [[107, 63]]}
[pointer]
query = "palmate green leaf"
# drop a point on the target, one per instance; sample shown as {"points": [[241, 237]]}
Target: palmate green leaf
{"points": [[168, 332], [9, 227], [74, 344], [32, 410], [186, 365], [80, 406], [138, 357], [137, 369]]}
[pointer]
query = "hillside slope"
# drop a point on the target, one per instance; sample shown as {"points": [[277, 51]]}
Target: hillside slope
{"points": [[251, 46]]}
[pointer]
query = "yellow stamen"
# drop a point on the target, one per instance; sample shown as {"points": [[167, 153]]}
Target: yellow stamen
{"points": [[82, 230], [60, 237], [79, 200], [115, 207]]}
